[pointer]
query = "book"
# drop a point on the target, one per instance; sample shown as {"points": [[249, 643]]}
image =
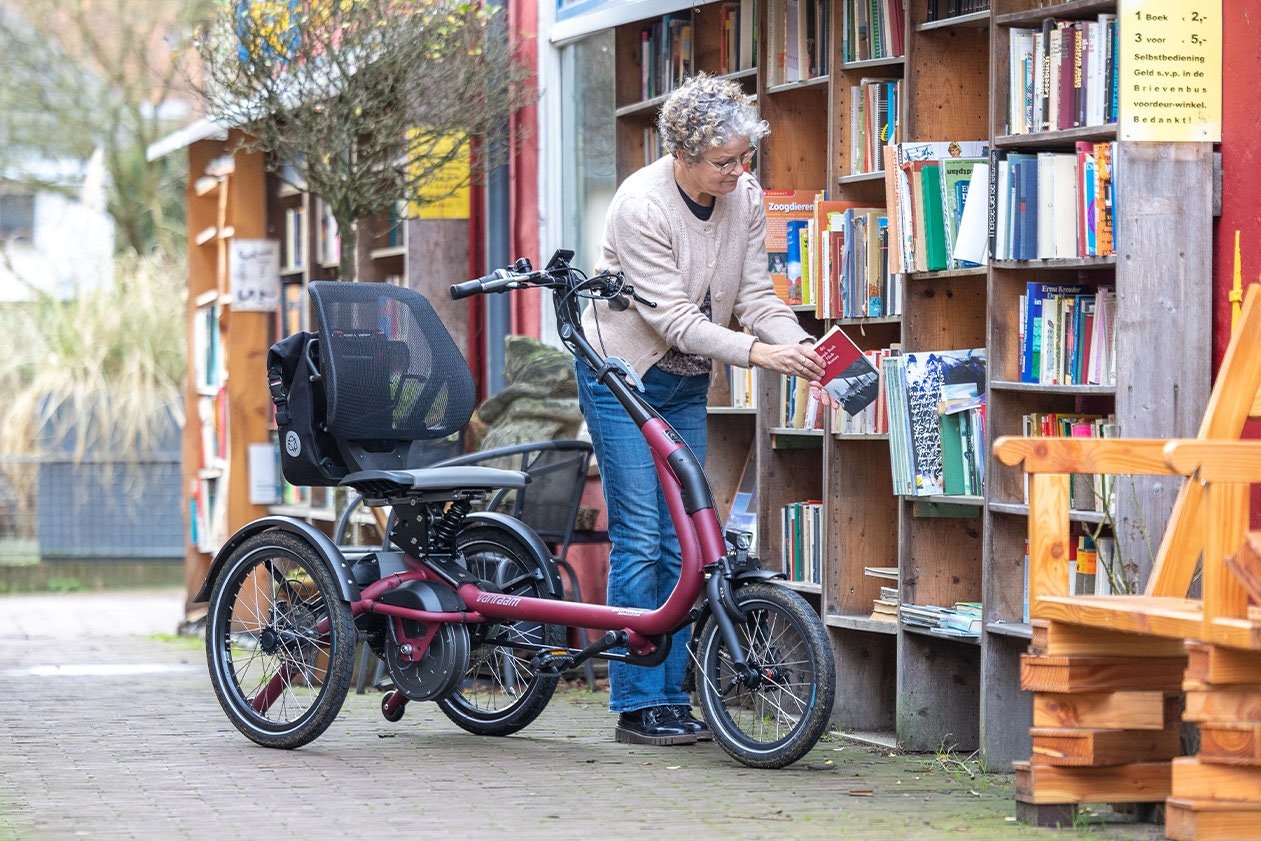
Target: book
{"points": [[848, 374], [781, 207], [925, 375], [1036, 293]]}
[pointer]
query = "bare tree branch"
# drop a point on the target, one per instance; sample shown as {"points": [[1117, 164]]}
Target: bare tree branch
{"points": [[373, 102]]}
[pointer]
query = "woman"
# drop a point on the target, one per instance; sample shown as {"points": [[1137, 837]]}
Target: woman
{"points": [[688, 232]]}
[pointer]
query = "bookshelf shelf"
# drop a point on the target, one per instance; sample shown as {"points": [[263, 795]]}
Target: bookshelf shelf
{"points": [[931, 634], [1048, 388], [803, 587], [1021, 509], [1019, 630], [854, 436], [876, 176], [977, 272], [732, 410], [860, 623], [889, 62], [805, 84], [1060, 264], [388, 253], [1070, 9], [1062, 139], [974, 19]]}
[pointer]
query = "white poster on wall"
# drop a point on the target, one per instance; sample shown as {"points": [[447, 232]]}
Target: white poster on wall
{"points": [[254, 274]]}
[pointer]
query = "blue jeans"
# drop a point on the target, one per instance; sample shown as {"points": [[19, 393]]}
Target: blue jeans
{"points": [[645, 560]]}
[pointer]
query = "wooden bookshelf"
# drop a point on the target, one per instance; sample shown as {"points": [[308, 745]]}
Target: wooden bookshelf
{"points": [[1163, 281], [922, 691]]}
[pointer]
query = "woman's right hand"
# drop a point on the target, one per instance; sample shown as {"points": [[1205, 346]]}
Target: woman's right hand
{"points": [[797, 360]]}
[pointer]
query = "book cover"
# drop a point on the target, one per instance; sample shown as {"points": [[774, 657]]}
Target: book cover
{"points": [[926, 374], [848, 374], [971, 246], [783, 206]]}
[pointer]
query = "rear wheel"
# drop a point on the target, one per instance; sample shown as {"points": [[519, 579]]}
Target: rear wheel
{"points": [[280, 642], [501, 692], [775, 719]]}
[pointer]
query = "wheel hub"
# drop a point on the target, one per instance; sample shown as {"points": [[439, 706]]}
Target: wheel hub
{"points": [[269, 640]]}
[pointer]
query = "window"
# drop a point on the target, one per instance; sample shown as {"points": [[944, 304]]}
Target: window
{"points": [[590, 148], [17, 216]]}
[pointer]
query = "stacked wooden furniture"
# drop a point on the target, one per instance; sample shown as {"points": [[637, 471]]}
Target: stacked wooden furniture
{"points": [[1108, 672]]}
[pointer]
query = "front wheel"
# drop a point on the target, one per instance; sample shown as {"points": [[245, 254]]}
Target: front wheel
{"points": [[279, 640], [776, 718]]}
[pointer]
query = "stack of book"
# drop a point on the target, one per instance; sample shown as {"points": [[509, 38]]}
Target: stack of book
{"points": [[961, 620]]}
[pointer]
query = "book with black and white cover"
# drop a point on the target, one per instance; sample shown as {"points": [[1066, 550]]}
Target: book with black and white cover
{"points": [[848, 374]]}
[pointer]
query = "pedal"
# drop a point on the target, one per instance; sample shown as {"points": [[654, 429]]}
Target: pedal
{"points": [[556, 661]]}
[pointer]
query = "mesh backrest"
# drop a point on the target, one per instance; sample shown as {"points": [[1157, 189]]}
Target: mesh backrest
{"points": [[550, 501], [391, 370]]}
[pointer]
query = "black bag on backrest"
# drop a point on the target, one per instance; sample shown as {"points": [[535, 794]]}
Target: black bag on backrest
{"points": [[308, 454]]}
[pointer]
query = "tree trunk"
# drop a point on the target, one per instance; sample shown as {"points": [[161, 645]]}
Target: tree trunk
{"points": [[348, 264]]}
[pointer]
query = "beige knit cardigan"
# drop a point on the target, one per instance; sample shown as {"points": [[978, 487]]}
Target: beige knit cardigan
{"points": [[673, 258]]}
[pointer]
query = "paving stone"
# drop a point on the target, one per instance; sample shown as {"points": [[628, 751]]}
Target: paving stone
{"points": [[130, 753]]}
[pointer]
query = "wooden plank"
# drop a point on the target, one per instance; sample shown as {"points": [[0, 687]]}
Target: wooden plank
{"points": [[1048, 536], [1125, 710], [1246, 565], [1211, 781], [1229, 405], [1213, 664], [1089, 747], [1139, 782], [1211, 820], [1211, 704], [1225, 523], [1231, 743], [1092, 674], [1085, 455], [1064, 639], [1162, 616], [1237, 462]]}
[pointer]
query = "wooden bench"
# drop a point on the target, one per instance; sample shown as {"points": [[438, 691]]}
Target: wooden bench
{"points": [[1115, 677]]}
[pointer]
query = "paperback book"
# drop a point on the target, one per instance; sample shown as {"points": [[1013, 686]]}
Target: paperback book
{"points": [[849, 376]]}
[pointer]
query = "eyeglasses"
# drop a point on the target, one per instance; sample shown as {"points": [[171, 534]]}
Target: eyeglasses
{"points": [[729, 166]]}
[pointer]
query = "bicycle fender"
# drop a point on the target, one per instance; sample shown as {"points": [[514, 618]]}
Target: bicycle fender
{"points": [[542, 555], [318, 541]]}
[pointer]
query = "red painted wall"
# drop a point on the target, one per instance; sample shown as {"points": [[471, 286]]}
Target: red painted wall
{"points": [[1241, 178]]}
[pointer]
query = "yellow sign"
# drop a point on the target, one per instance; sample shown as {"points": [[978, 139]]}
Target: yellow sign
{"points": [[1170, 70], [439, 170]]}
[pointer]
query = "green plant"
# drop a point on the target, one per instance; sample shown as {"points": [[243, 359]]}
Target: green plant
{"points": [[102, 371], [69, 584]]}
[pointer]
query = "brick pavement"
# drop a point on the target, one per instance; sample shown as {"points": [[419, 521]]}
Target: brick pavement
{"points": [[114, 735]]}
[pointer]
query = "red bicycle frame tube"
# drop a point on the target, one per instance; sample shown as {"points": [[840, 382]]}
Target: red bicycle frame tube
{"points": [[700, 542]]}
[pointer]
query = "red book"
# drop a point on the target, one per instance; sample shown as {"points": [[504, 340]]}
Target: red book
{"points": [[848, 374]]}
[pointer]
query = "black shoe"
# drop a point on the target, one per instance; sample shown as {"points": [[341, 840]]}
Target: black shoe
{"points": [[652, 726], [683, 714]]}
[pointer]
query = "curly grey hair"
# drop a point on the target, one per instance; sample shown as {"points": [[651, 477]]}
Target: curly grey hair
{"points": [[705, 112]]}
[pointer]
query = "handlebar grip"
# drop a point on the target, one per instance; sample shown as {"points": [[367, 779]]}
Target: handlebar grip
{"points": [[467, 289]]}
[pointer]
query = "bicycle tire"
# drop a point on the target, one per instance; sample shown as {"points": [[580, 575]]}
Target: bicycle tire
{"points": [[264, 643], [501, 693], [781, 719]]}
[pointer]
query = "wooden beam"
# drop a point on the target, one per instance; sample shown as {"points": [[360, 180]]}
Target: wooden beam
{"points": [[1085, 455], [1093, 674], [1162, 616], [1225, 523], [1211, 820], [1089, 747], [1212, 704], [1231, 743], [1125, 710], [1198, 780], [1048, 536], [1140, 782], [1063, 639], [1246, 565], [1229, 404], [1236, 462], [1213, 664]]}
